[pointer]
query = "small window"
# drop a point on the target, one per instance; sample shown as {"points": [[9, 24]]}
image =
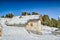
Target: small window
{"points": [[31, 24]]}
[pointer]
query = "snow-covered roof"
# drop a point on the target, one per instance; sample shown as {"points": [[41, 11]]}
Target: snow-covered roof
{"points": [[22, 20]]}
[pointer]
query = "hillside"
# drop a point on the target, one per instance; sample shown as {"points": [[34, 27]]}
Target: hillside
{"points": [[20, 33]]}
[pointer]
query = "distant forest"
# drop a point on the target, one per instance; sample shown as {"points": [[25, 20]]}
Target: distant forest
{"points": [[45, 19]]}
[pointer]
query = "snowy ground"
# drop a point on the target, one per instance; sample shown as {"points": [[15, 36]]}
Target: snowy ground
{"points": [[19, 33]]}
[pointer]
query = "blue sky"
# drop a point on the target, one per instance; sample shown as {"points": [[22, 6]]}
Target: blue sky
{"points": [[51, 8]]}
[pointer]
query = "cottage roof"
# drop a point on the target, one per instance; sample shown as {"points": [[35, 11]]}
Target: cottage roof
{"points": [[22, 20]]}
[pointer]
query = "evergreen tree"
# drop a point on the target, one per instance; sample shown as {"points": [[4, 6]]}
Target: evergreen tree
{"points": [[10, 15], [46, 20], [58, 24], [24, 13], [54, 22], [2, 16], [34, 13]]}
